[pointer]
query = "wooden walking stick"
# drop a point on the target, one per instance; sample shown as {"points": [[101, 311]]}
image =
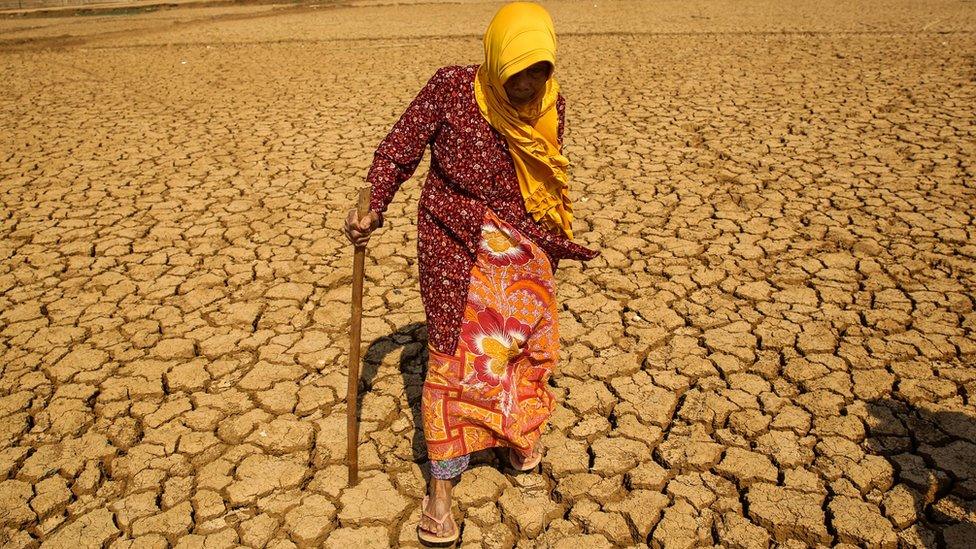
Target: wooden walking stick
{"points": [[355, 336]]}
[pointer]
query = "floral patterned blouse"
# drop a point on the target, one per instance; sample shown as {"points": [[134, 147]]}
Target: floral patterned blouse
{"points": [[470, 170]]}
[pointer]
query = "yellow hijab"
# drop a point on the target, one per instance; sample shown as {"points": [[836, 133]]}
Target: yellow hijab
{"points": [[520, 35]]}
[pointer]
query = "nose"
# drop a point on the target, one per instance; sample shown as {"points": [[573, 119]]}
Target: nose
{"points": [[526, 84]]}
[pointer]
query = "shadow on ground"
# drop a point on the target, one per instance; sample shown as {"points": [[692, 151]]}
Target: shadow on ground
{"points": [[933, 453], [410, 342]]}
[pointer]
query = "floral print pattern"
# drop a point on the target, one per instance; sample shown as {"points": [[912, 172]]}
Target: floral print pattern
{"points": [[492, 390], [495, 342], [502, 247]]}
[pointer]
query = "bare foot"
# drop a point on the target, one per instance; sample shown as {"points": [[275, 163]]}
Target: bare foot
{"points": [[439, 505]]}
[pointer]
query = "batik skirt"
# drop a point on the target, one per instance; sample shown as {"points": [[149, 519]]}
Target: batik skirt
{"points": [[493, 390]]}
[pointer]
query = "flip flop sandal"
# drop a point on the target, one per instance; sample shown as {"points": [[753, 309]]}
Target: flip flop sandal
{"points": [[429, 538], [526, 466]]}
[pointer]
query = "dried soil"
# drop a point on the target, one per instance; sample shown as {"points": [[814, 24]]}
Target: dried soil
{"points": [[776, 346]]}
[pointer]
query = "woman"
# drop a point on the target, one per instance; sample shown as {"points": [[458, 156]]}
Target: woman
{"points": [[493, 221]]}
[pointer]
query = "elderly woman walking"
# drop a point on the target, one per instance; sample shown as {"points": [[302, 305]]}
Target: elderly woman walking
{"points": [[494, 219]]}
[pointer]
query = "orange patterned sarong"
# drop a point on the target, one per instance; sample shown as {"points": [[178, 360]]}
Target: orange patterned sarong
{"points": [[492, 391]]}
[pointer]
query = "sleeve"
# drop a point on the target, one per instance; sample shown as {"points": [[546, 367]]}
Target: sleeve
{"points": [[400, 152], [557, 246]]}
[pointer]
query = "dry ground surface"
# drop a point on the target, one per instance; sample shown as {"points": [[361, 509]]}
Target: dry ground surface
{"points": [[776, 347]]}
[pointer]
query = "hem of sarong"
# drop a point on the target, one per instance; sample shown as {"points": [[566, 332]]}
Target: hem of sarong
{"points": [[494, 443]]}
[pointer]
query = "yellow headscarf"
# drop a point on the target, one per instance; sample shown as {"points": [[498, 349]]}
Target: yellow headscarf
{"points": [[520, 35]]}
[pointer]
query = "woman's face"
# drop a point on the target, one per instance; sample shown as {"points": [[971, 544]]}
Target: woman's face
{"points": [[522, 86]]}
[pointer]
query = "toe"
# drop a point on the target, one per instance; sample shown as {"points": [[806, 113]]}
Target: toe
{"points": [[447, 528], [428, 525]]}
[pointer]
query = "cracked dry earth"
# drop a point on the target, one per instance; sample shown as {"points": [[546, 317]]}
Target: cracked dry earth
{"points": [[776, 347]]}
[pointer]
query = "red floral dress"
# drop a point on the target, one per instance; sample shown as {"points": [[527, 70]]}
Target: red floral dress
{"points": [[470, 172]]}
